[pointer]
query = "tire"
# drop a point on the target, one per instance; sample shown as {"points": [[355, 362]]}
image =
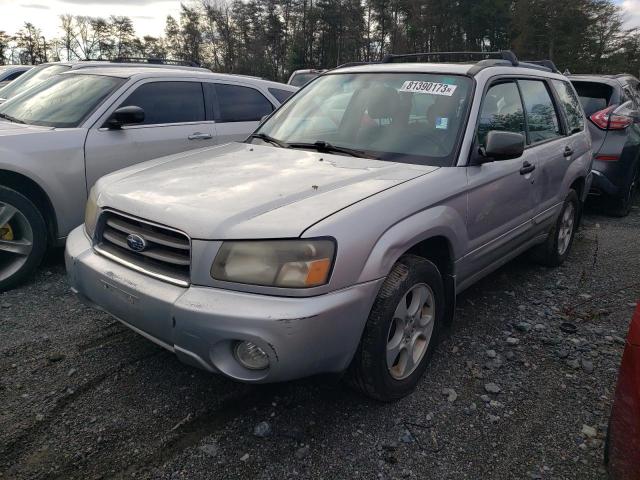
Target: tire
{"points": [[23, 238], [621, 207], [412, 279], [554, 251]]}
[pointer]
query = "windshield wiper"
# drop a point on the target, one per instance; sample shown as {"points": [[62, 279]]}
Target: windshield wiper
{"points": [[326, 147], [271, 140], [10, 118]]}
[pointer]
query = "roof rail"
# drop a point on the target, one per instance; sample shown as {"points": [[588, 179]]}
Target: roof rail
{"points": [[353, 64], [507, 55], [544, 63], [156, 61]]}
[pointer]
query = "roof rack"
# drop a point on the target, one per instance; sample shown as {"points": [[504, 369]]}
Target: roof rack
{"points": [[353, 64], [156, 61], [507, 55], [544, 63]]}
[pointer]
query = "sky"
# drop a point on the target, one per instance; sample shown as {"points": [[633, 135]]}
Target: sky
{"points": [[148, 15]]}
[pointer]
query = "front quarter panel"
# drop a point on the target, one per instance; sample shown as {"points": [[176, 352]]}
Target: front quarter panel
{"points": [[54, 159], [373, 234]]}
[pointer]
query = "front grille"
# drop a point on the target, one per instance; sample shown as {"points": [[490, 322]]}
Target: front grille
{"points": [[164, 253]]}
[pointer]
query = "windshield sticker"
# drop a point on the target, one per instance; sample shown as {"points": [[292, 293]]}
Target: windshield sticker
{"points": [[442, 123], [432, 88]]}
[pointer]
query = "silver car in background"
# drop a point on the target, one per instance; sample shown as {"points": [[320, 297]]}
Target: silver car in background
{"points": [[8, 73], [44, 71], [58, 137], [339, 234]]}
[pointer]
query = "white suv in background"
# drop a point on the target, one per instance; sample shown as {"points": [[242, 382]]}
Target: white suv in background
{"points": [[59, 137]]}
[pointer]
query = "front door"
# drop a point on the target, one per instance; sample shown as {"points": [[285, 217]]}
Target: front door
{"points": [[175, 121], [501, 193]]}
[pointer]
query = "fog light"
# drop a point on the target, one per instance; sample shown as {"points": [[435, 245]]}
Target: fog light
{"points": [[251, 356]]}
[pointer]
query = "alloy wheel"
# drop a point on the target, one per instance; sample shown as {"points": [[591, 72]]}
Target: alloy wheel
{"points": [[566, 228], [16, 240], [410, 331]]}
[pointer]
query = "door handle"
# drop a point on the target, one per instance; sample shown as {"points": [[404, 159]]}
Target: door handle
{"points": [[568, 151], [199, 136], [527, 168]]}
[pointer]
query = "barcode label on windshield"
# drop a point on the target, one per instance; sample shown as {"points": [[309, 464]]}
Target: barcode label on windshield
{"points": [[431, 88]]}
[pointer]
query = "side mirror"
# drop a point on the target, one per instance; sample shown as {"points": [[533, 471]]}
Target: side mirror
{"points": [[125, 116], [503, 146]]}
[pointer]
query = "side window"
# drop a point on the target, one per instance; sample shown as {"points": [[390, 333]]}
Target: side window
{"points": [[169, 102], [241, 104], [501, 110], [281, 95], [13, 76], [542, 119], [570, 104]]}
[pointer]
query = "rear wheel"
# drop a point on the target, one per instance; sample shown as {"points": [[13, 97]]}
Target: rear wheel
{"points": [[401, 331], [621, 207], [556, 247], [23, 238]]}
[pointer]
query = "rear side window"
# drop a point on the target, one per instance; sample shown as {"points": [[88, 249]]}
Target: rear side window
{"points": [[169, 102], [241, 104], [13, 76], [501, 110], [281, 95], [593, 96], [571, 105], [542, 119]]}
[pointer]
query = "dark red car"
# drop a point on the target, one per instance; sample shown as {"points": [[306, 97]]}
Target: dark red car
{"points": [[622, 452]]}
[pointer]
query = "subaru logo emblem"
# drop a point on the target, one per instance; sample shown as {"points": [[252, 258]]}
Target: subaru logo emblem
{"points": [[136, 242]]}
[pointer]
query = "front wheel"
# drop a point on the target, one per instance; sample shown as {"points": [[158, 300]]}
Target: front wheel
{"points": [[23, 238], [554, 251], [401, 331]]}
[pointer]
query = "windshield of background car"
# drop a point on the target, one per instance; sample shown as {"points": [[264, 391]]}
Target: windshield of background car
{"points": [[31, 78], [63, 101], [300, 79], [402, 117]]}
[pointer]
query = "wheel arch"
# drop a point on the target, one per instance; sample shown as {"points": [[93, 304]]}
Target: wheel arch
{"points": [[34, 192], [437, 234]]}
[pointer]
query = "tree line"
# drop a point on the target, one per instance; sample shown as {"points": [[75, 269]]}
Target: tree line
{"points": [[271, 38]]}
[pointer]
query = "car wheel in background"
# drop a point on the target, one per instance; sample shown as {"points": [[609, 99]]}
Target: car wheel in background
{"points": [[621, 207], [401, 331], [556, 247], [23, 238]]}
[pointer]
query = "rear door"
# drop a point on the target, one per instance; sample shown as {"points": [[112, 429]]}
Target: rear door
{"points": [[237, 109], [555, 149], [175, 121]]}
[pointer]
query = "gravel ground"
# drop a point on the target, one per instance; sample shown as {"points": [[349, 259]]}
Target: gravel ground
{"points": [[508, 394]]}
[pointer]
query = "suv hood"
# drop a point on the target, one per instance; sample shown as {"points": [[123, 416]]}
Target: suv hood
{"points": [[248, 191]]}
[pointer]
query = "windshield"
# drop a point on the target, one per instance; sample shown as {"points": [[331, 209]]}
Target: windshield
{"points": [[63, 101], [402, 117], [300, 79], [31, 78]]}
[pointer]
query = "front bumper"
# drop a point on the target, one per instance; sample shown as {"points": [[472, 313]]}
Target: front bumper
{"points": [[302, 336]]}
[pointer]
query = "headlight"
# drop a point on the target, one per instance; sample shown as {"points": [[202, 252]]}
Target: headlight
{"points": [[91, 213], [275, 263]]}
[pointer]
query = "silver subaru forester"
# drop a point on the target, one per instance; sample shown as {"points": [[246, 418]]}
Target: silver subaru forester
{"points": [[336, 237]]}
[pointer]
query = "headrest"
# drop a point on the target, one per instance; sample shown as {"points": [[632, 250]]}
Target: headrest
{"points": [[384, 102]]}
